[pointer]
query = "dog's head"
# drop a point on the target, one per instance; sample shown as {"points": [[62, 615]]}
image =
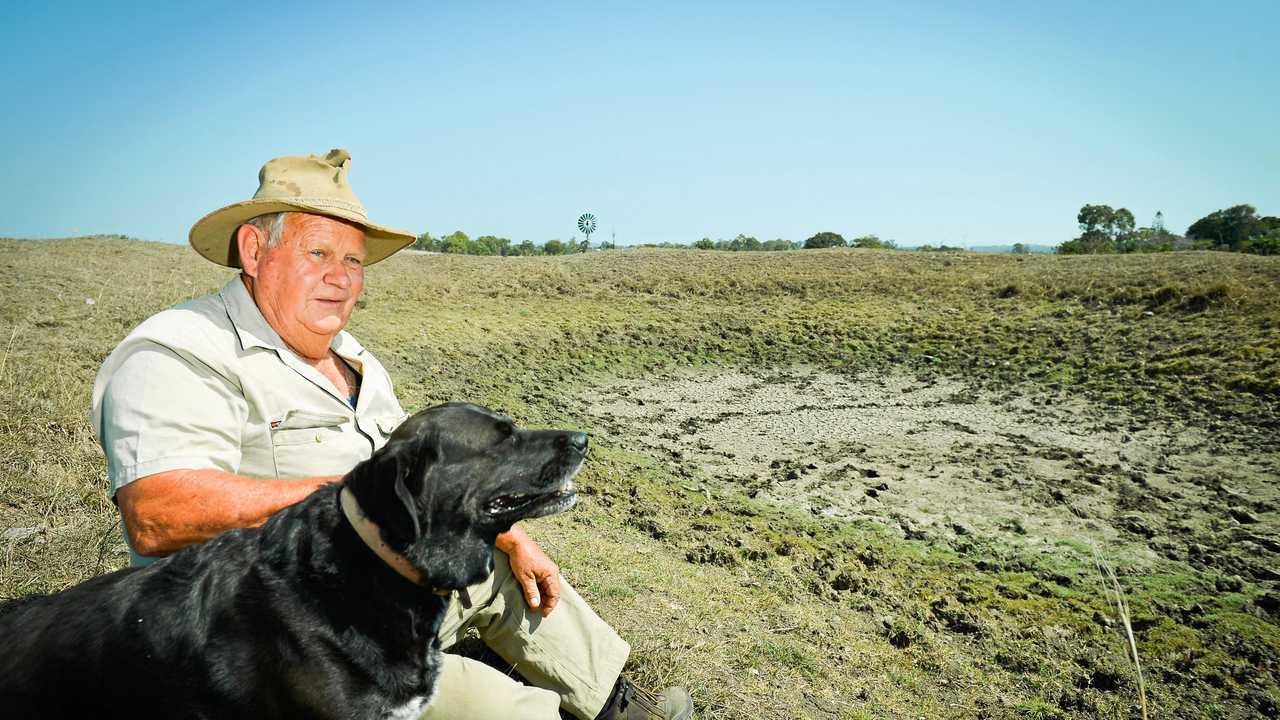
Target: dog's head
{"points": [[453, 477]]}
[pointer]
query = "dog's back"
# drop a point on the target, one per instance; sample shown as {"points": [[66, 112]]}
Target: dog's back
{"points": [[222, 629], [48, 644]]}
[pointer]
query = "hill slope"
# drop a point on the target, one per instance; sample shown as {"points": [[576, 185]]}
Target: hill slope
{"points": [[769, 605]]}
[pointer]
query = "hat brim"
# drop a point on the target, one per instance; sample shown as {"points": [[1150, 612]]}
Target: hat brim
{"points": [[213, 236]]}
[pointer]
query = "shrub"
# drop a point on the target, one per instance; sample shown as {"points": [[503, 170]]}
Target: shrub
{"points": [[825, 240]]}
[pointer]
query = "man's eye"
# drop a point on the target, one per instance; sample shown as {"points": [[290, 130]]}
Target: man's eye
{"points": [[354, 260], [318, 253]]}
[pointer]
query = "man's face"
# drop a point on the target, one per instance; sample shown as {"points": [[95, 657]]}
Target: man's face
{"points": [[307, 286]]}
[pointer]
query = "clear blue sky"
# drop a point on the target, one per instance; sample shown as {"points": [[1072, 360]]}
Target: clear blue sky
{"points": [[939, 122]]}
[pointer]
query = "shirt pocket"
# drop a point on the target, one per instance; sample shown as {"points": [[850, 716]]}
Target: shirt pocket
{"points": [[309, 443], [386, 425], [300, 427]]}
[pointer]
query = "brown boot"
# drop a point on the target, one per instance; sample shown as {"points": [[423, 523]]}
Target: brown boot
{"points": [[629, 702]]}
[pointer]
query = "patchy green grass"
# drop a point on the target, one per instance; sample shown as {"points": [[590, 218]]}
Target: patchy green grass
{"points": [[764, 612]]}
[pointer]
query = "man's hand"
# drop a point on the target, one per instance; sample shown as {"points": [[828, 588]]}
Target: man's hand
{"points": [[538, 576]]}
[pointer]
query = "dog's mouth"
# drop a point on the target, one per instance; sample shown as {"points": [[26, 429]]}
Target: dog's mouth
{"points": [[534, 505]]}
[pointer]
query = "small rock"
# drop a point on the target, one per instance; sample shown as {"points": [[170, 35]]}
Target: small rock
{"points": [[909, 530], [1262, 702], [1269, 602], [1136, 524], [18, 534], [846, 581], [1244, 517], [1231, 583]]}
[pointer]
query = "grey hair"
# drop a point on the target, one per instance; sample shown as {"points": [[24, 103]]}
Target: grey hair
{"points": [[272, 225]]}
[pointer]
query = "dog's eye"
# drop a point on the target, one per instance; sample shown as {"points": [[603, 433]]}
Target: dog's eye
{"points": [[506, 430]]}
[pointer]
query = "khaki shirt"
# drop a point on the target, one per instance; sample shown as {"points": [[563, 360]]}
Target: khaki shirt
{"points": [[209, 384]]}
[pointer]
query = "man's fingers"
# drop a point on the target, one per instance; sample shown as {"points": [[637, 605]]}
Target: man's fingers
{"points": [[551, 591], [531, 595]]}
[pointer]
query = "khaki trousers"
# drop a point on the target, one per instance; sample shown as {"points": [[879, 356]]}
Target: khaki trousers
{"points": [[572, 658]]}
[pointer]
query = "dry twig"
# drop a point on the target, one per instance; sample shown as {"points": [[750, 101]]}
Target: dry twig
{"points": [[1111, 586]]}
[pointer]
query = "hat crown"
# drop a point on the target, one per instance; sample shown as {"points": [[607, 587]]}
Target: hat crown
{"points": [[296, 183], [310, 178]]}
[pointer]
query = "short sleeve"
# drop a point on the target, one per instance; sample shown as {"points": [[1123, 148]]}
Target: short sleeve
{"points": [[165, 411]]}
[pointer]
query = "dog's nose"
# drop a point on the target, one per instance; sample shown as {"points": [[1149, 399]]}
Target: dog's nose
{"points": [[578, 441]]}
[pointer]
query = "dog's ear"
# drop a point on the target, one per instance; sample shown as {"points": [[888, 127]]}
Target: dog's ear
{"points": [[388, 484]]}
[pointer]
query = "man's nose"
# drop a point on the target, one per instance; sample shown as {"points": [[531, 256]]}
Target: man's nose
{"points": [[339, 275]]}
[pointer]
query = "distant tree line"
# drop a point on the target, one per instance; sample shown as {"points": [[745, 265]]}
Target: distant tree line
{"points": [[747, 243], [1105, 230], [459, 243]]}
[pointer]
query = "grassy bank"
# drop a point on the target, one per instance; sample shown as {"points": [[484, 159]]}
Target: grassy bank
{"points": [[766, 611]]}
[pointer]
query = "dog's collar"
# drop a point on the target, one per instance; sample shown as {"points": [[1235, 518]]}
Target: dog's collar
{"points": [[369, 532]]}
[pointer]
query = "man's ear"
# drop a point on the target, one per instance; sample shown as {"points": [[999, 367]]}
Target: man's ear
{"points": [[249, 244], [387, 486]]}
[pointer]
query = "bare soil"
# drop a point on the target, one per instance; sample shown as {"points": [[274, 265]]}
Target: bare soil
{"points": [[938, 459]]}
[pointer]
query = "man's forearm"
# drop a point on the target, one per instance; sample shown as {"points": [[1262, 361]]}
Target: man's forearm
{"points": [[168, 511]]}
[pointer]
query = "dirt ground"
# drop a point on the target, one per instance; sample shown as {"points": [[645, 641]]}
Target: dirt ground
{"points": [[933, 458]]}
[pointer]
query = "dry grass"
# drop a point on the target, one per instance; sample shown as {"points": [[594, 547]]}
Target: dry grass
{"points": [[1115, 594], [1192, 336]]}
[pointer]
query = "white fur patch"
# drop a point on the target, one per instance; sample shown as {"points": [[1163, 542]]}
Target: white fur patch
{"points": [[411, 710]]}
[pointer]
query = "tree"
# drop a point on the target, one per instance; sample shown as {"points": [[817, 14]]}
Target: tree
{"points": [[526, 247], [778, 244], [456, 242], [705, 243], [868, 241], [553, 247], [1103, 229], [825, 240], [490, 245], [1020, 249], [1230, 228], [426, 242], [1268, 244]]}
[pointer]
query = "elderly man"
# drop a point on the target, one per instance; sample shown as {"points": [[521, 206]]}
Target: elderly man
{"points": [[219, 412]]}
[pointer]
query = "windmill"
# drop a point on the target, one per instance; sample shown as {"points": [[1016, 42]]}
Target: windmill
{"points": [[587, 224]]}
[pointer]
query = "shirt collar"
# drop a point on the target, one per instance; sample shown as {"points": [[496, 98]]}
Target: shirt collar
{"points": [[254, 330]]}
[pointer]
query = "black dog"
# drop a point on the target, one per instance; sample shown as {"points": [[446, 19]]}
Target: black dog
{"points": [[300, 617]]}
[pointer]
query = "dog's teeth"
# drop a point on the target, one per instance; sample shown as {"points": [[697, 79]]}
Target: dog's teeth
{"points": [[568, 487]]}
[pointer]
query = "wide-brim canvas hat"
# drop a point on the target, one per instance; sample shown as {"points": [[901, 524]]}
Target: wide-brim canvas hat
{"points": [[297, 183]]}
